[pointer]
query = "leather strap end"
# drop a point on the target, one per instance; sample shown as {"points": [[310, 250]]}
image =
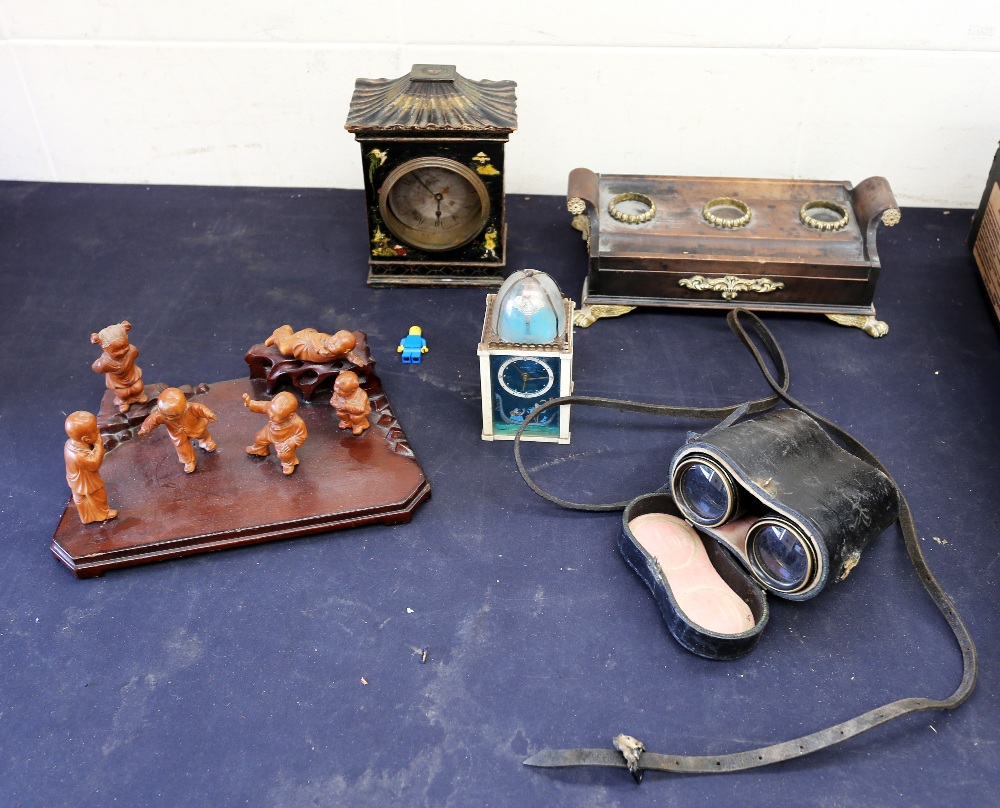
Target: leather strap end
{"points": [[558, 758]]}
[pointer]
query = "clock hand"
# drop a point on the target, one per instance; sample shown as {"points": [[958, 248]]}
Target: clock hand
{"points": [[437, 198], [416, 176], [524, 376]]}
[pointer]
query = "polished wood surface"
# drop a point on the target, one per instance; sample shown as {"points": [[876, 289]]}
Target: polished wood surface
{"points": [[643, 264], [233, 499]]}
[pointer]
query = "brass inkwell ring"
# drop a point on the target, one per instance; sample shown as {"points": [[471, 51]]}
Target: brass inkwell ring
{"points": [[823, 215], [625, 217], [723, 219]]}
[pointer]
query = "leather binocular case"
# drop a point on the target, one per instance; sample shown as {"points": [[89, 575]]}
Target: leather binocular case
{"points": [[792, 509]]}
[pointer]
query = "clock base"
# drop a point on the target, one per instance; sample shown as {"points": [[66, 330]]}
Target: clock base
{"points": [[488, 274], [383, 274], [531, 438]]}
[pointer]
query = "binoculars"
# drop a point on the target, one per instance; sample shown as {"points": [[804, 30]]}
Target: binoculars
{"points": [[791, 506], [794, 507]]}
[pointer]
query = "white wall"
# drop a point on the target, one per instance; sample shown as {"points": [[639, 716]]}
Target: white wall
{"points": [[255, 92]]}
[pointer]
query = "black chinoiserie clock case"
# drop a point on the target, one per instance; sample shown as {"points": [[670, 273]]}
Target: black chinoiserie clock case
{"points": [[432, 152]]}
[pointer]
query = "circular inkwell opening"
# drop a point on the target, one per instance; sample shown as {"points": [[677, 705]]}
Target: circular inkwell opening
{"points": [[632, 208], [705, 492], [727, 213], [781, 555], [824, 216]]}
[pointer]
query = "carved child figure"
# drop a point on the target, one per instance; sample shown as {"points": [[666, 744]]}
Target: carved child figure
{"points": [[84, 454], [185, 421], [117, 363], [350, 402], [284, 429], [311, 345]]}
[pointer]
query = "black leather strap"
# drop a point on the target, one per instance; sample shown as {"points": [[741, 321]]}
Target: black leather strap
{"points": [[730, 413], [738, 320]]}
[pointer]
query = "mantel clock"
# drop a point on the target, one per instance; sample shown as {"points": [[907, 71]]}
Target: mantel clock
{"points": [[526, 358], [432, 151]]}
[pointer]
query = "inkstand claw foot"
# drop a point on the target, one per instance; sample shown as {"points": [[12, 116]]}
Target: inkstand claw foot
{"points": [[866, 322], [588, 315]]}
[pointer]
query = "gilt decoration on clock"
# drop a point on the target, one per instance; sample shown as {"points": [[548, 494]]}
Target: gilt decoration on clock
{"points": [[432, 148]]}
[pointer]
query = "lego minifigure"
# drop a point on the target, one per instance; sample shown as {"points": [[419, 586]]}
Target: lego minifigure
{"points": [[412, 346]]}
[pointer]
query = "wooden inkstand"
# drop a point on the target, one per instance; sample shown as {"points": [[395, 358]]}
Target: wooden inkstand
{"points": [[709, 242]]}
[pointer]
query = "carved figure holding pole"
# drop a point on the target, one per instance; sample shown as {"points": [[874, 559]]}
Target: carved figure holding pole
{"points": [[84, 454], [284, 429], [350, 402], [185, 421], [117, 363]]}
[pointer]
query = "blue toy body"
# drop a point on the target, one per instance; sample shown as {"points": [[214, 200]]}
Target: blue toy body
{"points": [[412, 347]]}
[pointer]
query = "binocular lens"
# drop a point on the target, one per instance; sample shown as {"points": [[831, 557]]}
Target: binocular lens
{"points": [[780, 554], [705, 491]]}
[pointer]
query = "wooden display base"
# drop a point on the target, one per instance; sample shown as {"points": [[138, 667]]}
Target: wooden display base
{"points": [[233, 499]]}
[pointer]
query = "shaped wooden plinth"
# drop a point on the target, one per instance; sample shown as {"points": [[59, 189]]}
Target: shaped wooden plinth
{"points": [[233, 499]]}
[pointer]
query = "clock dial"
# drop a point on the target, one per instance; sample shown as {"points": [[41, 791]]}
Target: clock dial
{"points": [[433, 203], [525, 377], [434, 199]]}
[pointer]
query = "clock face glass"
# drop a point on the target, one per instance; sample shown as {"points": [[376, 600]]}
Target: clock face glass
{"points": [[521, 383], [434, 203], [524, 377]]}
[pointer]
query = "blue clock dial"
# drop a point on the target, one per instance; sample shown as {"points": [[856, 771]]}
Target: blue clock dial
{"points": [[521, 383], [525, 377]]}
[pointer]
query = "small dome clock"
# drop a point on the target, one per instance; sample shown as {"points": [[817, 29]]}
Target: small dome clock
{"points": [[432, 151], [526, 358]]}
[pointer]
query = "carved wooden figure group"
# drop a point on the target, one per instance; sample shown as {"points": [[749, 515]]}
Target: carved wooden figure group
{"points": [[188, 421]]}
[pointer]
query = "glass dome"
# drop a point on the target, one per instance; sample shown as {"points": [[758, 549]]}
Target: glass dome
{"points": [[529, 308]]}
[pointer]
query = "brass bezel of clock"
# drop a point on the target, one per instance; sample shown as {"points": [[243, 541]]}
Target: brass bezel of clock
{"points": [[425, 239]]}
